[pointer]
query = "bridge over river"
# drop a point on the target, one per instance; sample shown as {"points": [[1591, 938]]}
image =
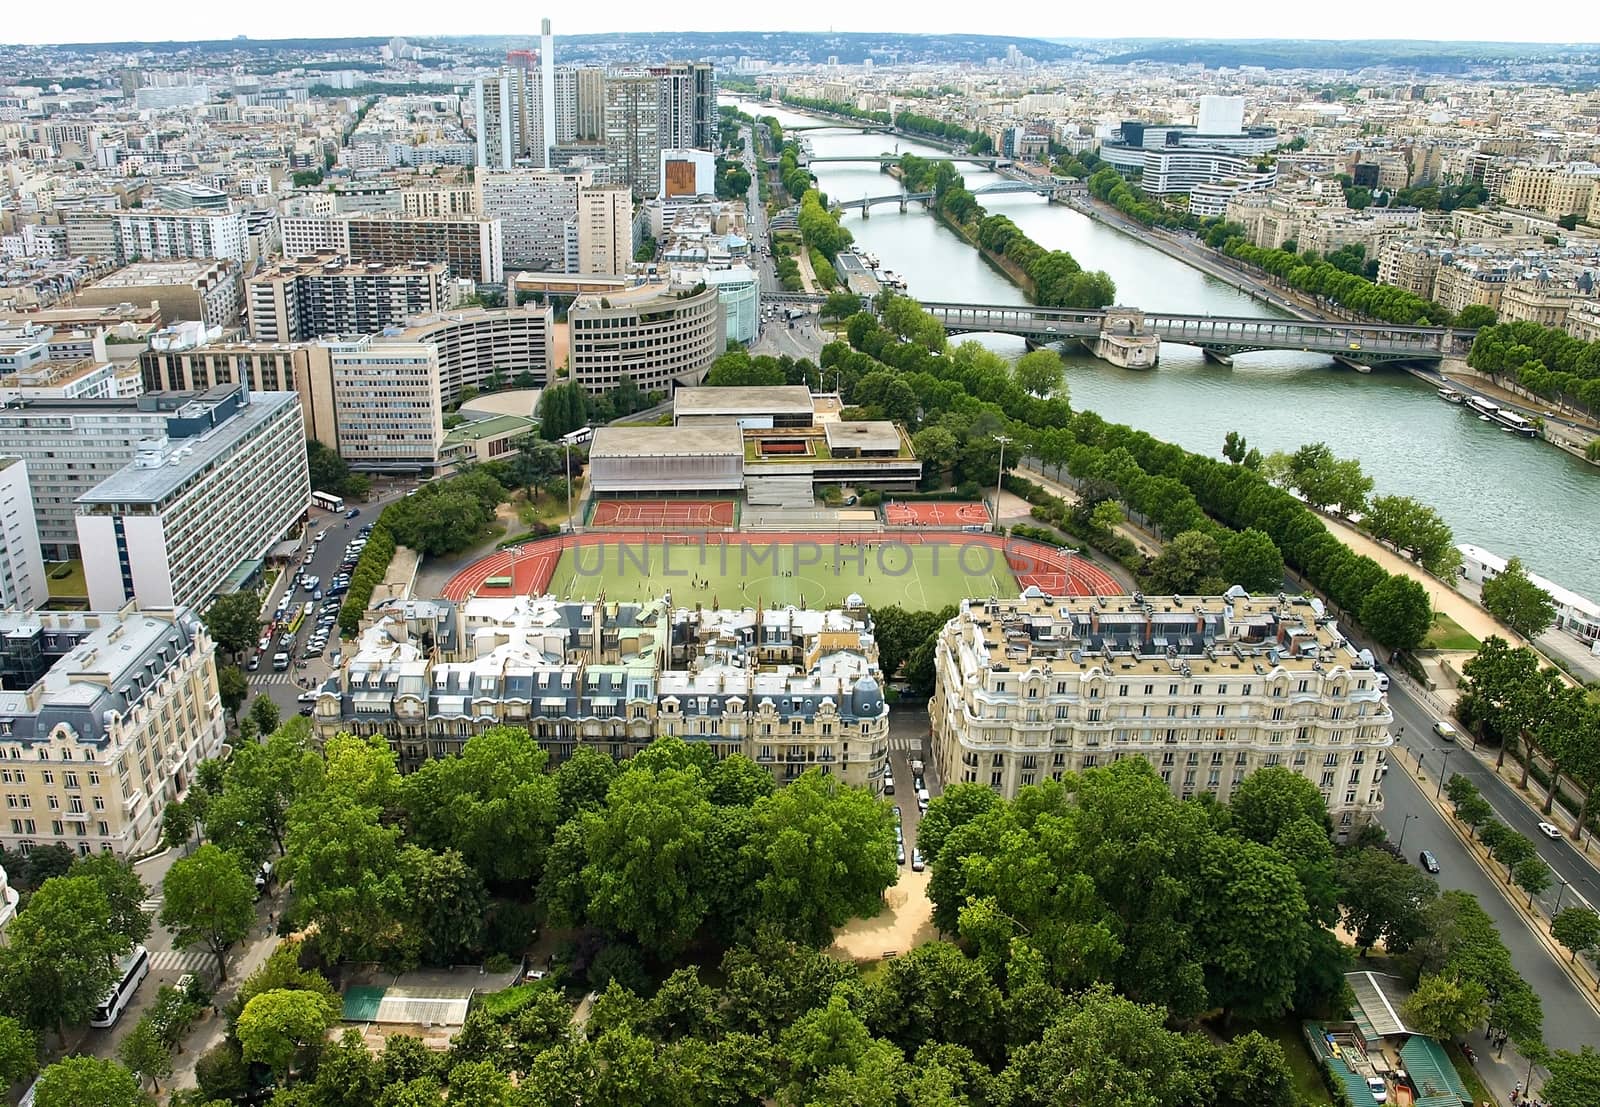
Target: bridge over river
{"points": [[864, 205], [1111, 332]]}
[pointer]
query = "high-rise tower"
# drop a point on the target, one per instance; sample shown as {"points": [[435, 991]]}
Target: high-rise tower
{"points": [[547, 71]]}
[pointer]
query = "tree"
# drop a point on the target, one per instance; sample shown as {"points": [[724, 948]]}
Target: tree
{"points": [[1577, 929], [1517, 602], [1253, 1071], [1383, 899], [208, 900], [1397, 612], [446, 903], [88, 1082], [1272, 798], [1476, 316], [1574, 1078], [61, 956], [841, 305], [1235, 447], [1474, 811], [563, 408], [1189, 565], [1040, 373], [125, 893], [1532, 876], [265, 714], [145, 1054], [232, 687], [19, 1051], [1251, 560], [275, 1027], [1444, 1007], [234, 621]]}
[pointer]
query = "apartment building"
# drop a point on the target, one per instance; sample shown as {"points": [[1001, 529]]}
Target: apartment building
{"points": [[509, 116], [1413, 266], [688, 105], [103, 718], [661, 336], [439, 203], [537, 210], [1208, 689], [604, 230], [789, 689], [1556, 190], [471, 246], [326, 294], [154, 234], [203, 290], [196, 511], [633, 129], [23, 586], [590, 91], [1463, 281]]}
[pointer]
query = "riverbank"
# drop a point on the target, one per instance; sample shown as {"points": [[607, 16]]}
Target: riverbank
{"points": [[1565, 434], [1007, 268]]}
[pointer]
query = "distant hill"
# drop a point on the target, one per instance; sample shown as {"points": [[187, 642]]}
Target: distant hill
{"points": [[1425, 57]]}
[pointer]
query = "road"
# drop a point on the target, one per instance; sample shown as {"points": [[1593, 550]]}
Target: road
{"points": [[1569, 1020], [284, 688]]}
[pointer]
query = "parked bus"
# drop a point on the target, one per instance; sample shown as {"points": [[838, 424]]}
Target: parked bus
{"points": [[327, 501], [135, 967], [577, 437]]}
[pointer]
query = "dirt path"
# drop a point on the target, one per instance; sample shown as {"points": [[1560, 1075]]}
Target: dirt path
{"points": [[905, 922]]}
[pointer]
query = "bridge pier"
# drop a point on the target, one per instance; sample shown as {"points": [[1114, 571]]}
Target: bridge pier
{"points": [[1216, 356], [866, 211], [902, 205]]}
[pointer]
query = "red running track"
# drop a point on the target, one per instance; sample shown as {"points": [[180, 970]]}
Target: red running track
{"points": [[532, 565], [662, 513]]}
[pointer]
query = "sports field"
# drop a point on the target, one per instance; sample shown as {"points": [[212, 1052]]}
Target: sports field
{"points": [[808, 573]]}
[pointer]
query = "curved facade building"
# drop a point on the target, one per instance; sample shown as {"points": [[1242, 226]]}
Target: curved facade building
{"points": [[659, 335]]}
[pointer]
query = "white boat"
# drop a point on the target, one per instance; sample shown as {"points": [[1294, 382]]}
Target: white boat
{"points": [[869, 260], [1486, 408], [889, 278], [1516, 424], [1451, 396]]}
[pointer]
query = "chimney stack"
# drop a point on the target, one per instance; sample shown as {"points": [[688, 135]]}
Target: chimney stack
{"points": [[547, 101]]}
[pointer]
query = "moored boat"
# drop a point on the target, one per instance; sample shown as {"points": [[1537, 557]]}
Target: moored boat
{"points": [[1451, 396]]}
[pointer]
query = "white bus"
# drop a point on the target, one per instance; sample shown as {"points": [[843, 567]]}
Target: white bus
{"points": [[577, 437], [135, 967], [327, 501]]}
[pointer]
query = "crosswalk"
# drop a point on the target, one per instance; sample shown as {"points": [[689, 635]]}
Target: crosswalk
{"points": [[151, 906], [273, 678], [905, 745], [181, 960]]}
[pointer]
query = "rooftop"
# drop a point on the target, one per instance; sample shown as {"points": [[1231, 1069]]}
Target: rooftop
{"points": [[163, 467], [667, 442], [328, 264], [877, 435], [181, 271], [492, 427], [775, 399]]}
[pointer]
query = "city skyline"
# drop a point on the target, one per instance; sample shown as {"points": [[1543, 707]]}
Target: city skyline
{"points": [[1243, 21]]}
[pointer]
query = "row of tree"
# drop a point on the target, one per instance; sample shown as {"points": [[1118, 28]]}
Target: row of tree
{"points": [[1544, 360], [1111, 186], [976, 142], [737, 369], [1512, 701], [820, 228], [834, 107], [1349, 290]]}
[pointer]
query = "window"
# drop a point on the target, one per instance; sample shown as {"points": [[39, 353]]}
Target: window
{"points": [[1061, 687], [994, 780], [1305, 685], [997, 760], [1122, 689], [1327, 780], [1028, 778], [1277, 714]]}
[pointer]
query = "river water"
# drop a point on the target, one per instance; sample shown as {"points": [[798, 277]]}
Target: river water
{"points": [[1507, 494]]}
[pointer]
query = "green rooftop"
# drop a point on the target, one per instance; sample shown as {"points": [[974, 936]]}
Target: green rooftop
{"points": [[492, 427]]}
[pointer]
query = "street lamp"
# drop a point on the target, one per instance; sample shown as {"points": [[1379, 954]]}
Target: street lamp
{"points": [[1000, 471], [1437, 792], [1404, 824], [1560, 893], [567, 446]]}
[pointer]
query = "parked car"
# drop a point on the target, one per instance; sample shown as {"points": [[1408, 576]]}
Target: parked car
{"points": [[254, 663], [917, 862], [888, 784], [1550, 831], [1429, 862], [899, 853]]}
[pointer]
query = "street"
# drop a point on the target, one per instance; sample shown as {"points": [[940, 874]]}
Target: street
{"points": [[1570, 1021], [285, 688]]}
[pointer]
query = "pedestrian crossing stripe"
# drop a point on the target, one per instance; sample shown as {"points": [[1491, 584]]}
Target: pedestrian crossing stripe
{"points": [[178, 960], [153, 904]]}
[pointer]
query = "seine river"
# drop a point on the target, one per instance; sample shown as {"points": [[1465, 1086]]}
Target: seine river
{"points": [[1507, 494]]}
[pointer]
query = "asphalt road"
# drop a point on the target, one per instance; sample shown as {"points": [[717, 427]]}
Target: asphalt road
{"points": [[284, 688], [1569, 1020]]}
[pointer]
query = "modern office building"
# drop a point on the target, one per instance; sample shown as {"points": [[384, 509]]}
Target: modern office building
{"points": [[23, 586], [205, 290], [739, 290], [511, 118], [326, 294], [604, 230], [633, 129], [1208, 689], [537, 211], [590, 87], [661, 336], [386, 395], [152, 234], [790, 689], [196, 511], [471, 246], [103, 718]]}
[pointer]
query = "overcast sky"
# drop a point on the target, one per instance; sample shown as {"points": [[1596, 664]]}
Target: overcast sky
{"points": [[103, 20]]}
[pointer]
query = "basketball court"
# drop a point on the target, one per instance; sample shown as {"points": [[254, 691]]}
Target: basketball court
{"points": [[663, 513], [938, 514]]}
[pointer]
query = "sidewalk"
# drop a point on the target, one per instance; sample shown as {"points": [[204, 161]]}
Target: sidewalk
{"points": [[808, 278], [211, 1029]]}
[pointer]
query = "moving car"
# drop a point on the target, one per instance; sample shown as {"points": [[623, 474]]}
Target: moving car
{"points": [[1550, 831], [917, 862], [1429, 862], [888, 784], [1444, 730]]}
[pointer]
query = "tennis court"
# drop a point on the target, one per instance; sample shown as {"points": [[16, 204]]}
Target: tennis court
{"points": [[663, 513], [944, 513]]}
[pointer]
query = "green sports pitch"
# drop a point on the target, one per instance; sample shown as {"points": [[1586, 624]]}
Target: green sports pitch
{"points": [[801, 573]]}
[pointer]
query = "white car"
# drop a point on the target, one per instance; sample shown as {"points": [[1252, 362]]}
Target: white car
{"points": [[1550, 831]]}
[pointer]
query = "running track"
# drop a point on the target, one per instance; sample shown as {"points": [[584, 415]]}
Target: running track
{"points": [[532, 565]]}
